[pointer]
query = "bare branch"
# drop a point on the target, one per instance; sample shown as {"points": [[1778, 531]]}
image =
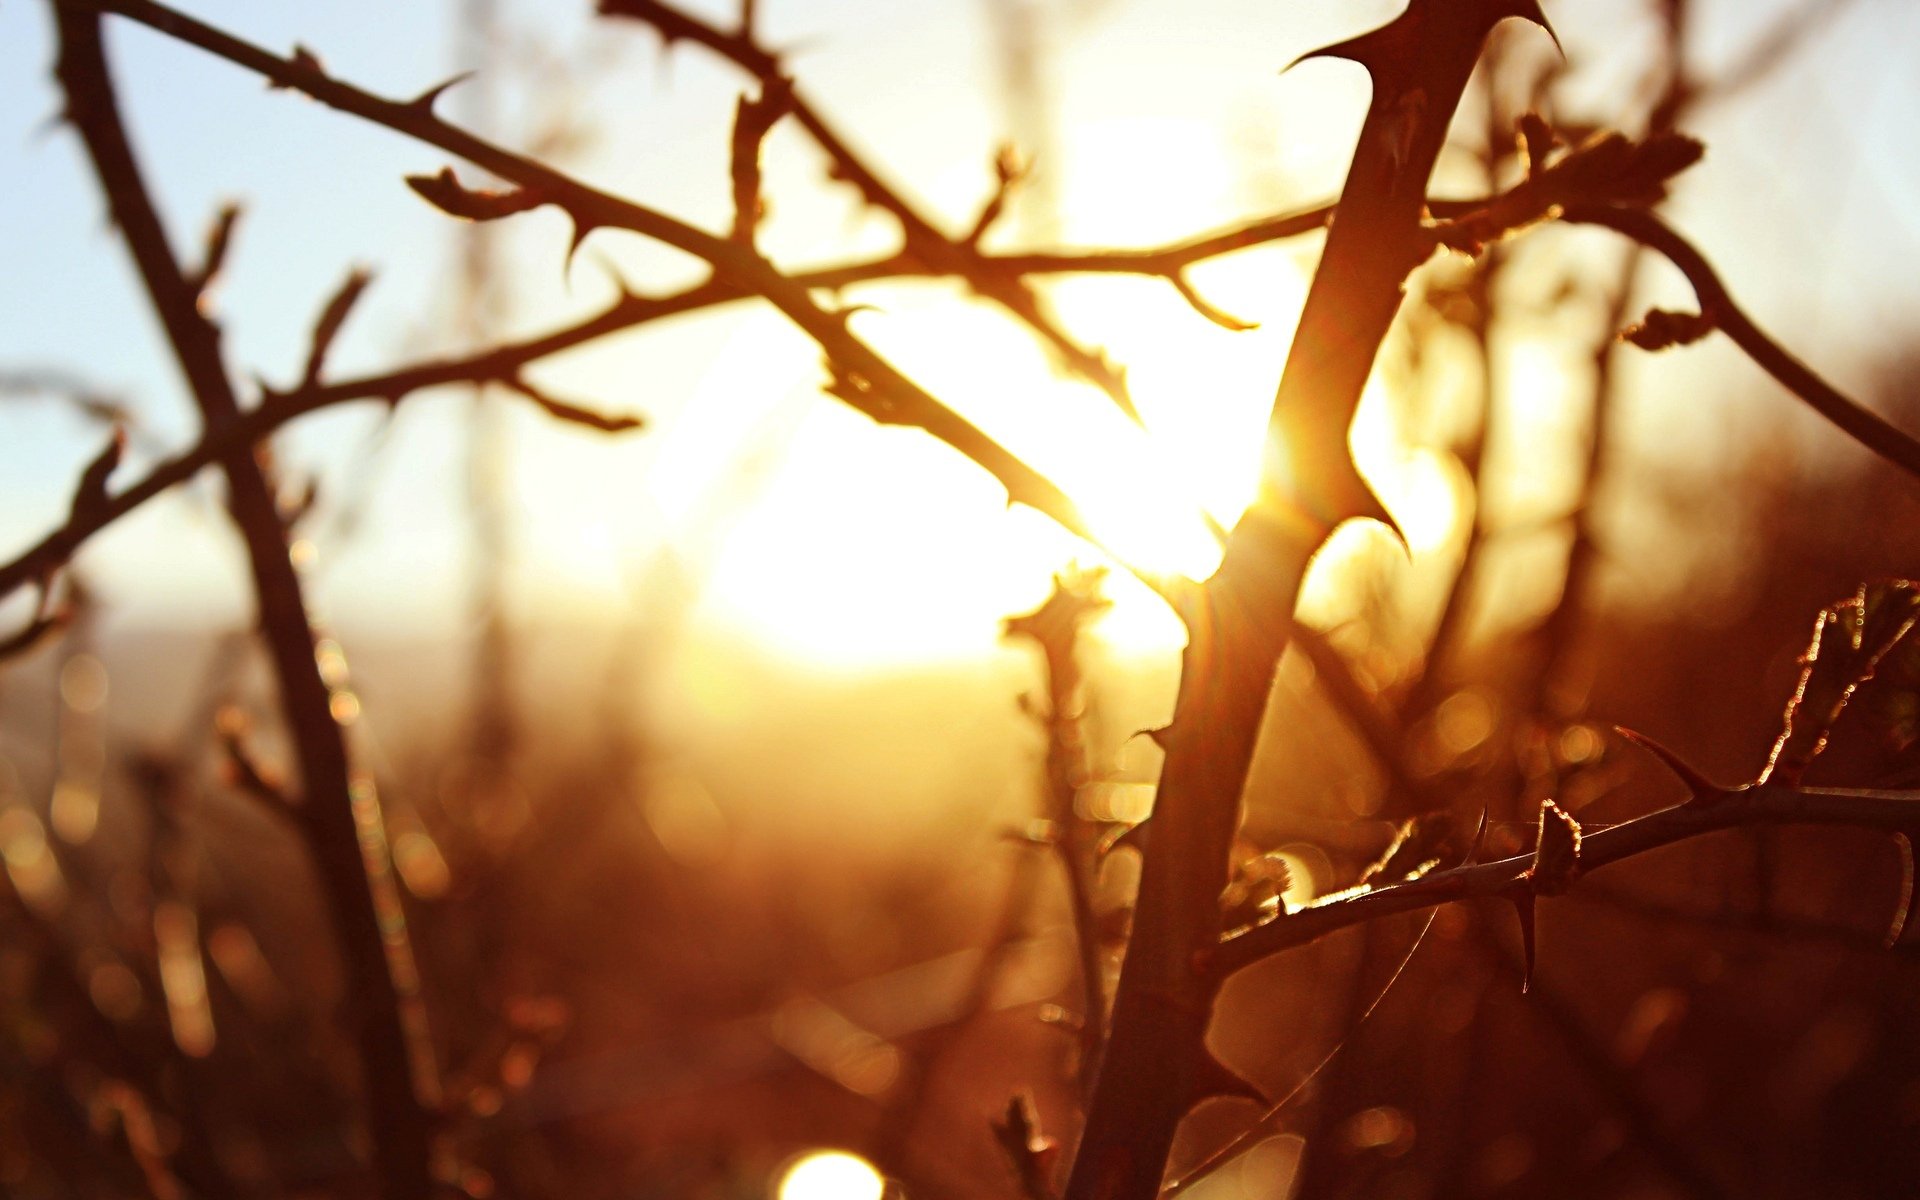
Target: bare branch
{"points": [[345, 837], [886, 395], [1717, 304], [1761, 804], [923, 238]]}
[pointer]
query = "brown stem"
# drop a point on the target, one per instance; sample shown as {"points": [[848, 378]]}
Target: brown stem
{"points": [[336, 818]]}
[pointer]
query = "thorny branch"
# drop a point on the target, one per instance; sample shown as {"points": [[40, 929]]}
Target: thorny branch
{"points": [[860, 376], [923, 240], [1238, 622], [1761, 804], [340, 819]]}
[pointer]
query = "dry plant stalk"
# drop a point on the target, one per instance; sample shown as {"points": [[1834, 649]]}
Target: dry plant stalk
{"points": [[1154, 1065]]}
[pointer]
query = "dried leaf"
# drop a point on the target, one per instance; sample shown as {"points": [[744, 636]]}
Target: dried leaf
{"points": [[1419, 845], [1849, 640], [1255, 892]]}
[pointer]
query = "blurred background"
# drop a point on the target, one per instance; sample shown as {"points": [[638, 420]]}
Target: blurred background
{"points": [[700, 746]]}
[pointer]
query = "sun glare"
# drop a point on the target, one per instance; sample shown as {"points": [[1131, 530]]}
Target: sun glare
{"points": [[852, 545]]}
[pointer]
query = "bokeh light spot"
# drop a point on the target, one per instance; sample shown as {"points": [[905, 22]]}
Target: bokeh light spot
{"points": [[830, 1175]]}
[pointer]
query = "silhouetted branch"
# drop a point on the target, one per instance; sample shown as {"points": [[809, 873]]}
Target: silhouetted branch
{"points": [[1718, 306], [343, 830], [1761, 804], [501, 363], [877, 389], [922, 237], [1156, 1063]]}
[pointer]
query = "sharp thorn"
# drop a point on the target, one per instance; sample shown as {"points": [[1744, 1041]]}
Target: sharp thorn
{"points": [[1704, 790]]}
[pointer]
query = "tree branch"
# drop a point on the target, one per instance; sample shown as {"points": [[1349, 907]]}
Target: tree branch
{"points": [[1761, 804], [1718, 305], [862, 377]]}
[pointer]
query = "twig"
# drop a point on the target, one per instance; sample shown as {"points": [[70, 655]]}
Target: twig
{"points": [[1857, 421], [923, 239], [1055, 628]]}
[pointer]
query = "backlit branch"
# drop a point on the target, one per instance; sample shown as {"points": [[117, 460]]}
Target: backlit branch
{"points": [[1761, 804], [875, 386], [1717, 305], [923, 239]]}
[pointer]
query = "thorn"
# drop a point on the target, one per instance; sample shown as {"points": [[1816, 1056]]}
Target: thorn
{"points": [[303, 62], [1160, 736], [446, 193], [581, 229], [219, 240], [1523, 909], [1031, 1151], [425, 100], [1392, 50], [1215, 1078], [1704, 790], [90, 494], [1365, 49]]}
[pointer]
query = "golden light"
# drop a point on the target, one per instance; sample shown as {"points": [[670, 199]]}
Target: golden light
{"points": [[830, 1175], [851, 546]]}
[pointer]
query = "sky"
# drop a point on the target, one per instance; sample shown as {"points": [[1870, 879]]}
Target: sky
{"points": [[754, 507]]}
